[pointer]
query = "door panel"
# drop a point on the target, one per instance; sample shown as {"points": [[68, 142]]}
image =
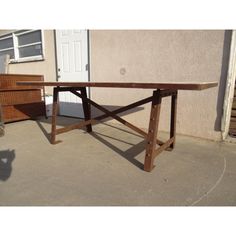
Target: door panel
{"points": [[72, 60]]}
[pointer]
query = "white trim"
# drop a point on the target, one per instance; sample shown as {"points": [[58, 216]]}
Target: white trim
{"points": [[43, 44], [15, 44], [6, 49], [30, 44], [5, 37], [89, 56], [16, 47], [26, 32], [27, 59], [229, 89]]}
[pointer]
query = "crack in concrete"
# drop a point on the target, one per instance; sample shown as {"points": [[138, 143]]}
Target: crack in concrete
{"points": [[213, 187]]}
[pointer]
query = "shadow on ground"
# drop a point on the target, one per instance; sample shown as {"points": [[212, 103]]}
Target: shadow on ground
{"points": [[6, 159], [74, 120], [129, 154], [83, 171]]}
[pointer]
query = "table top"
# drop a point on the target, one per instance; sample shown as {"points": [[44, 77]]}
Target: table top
{"points": [[166, 85]]}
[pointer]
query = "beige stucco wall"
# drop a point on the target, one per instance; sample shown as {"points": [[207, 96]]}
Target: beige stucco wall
{"points": [[160, 56], [153, 56], [46, 67]]}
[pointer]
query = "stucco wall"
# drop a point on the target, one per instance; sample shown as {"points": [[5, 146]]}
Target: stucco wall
{"points": [[46, 67], [153, 56], [160, 56]]}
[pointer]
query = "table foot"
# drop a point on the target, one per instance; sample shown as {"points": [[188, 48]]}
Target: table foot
{"points": [[56, 142]]}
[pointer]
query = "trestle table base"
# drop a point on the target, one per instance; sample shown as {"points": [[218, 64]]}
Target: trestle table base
{"points": [[151, 136]]}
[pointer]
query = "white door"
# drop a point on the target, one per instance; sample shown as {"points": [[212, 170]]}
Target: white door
{"points": [[72, 66]]}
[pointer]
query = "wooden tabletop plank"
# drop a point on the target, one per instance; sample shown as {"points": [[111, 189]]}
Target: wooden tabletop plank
{"points": [[170, 85]]}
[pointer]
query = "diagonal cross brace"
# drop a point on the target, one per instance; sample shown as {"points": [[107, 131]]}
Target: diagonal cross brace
{"points": [[110, 113]]}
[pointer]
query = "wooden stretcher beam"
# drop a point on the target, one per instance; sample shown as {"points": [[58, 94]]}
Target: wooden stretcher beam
{"points": [[151, 136], [161, 90]]}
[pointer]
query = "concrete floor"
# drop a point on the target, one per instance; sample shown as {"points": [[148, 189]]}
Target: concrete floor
{"points": [[104, 168]]}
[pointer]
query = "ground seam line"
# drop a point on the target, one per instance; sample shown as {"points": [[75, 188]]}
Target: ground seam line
{"points": [[213, 187]]}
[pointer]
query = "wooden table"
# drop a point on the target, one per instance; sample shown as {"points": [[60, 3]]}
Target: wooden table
{"points": [[160, 90]]}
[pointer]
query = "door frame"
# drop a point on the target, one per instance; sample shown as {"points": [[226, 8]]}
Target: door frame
{"points": [[229, 88], [88, 51], [88, 62]]}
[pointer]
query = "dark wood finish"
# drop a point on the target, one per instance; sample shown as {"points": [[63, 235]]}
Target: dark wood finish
{"points": [[111, 114], [23, 111], [79, 125], [86, 108], [128, 107], [234, 104], [20, 97], [99, 118], [21, 102], [167, 92], [232, 125], [151, 151], [152, 131], [175, 86], [173, 118], [54, 115], [163, 147], [162, 90], [10, 81], [233, 114]]}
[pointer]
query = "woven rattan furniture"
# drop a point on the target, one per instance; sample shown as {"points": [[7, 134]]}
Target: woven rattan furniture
{"points": [[21, 102]]}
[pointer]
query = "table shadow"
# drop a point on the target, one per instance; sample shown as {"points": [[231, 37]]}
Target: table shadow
{"points": [[6, 159], [65, 122], [128, 154]]}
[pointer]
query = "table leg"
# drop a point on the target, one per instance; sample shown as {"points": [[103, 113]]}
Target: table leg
{"points": [[87, 109], [152, 131], [44, 99], [54, 115], [173, 119]]}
